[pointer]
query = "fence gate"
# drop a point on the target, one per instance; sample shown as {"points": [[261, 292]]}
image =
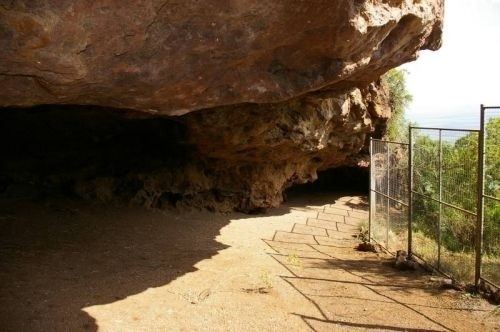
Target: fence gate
{"points": [[438, 197], [444, 204]]}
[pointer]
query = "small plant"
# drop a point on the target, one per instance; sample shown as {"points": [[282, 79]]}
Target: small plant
{"points": [[265, 278], [263, 287], [364, 235], [294, 260]]}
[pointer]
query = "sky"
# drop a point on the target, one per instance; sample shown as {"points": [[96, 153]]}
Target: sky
{"points": [[449, 85]]}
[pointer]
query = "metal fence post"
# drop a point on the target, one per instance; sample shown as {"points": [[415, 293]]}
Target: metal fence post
{"points": [[480, 197], [388, 224], [440, 189], [410, 189], [371, 201]]}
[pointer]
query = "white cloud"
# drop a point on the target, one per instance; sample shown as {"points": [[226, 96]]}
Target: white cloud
{"points": [[451, 83]]}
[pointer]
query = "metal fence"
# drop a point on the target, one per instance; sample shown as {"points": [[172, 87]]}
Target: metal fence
{"points": [[389, 193], [443, 198], [439, 197]]}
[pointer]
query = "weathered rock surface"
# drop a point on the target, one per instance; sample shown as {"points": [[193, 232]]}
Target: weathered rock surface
{"points": [[267, 148], [281, 89], [222, 159], [173, 57]]}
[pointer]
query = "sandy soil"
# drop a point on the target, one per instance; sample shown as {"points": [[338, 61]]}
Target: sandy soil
{"points": [[69, 266]]}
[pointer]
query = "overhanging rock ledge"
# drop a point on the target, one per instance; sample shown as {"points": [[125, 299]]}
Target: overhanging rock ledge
{"points": [[280, 88]]}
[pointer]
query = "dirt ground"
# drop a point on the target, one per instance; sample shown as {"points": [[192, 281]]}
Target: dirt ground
{"points": [[70, 266]]}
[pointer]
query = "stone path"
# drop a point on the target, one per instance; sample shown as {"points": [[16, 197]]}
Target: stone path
{"points": [[354, 290]]}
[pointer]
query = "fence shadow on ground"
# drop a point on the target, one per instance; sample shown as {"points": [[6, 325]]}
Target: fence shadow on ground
{"points": [[353, 289]]}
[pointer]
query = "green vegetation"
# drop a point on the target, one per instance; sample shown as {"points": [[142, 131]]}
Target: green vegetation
{"points": [[400, 98], [294, 260], [492, 176]]}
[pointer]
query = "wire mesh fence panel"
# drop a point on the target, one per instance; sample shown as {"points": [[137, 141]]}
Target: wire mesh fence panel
{"points": [[398, 228], [425, 151], [459, 169], [398, 172], [492, 153], [380, 182], [458, 239], [444, 204], [425, 232], [388, 189], [490, 261], [380, 150], [459, 184], [379, 220], [425, 206]]}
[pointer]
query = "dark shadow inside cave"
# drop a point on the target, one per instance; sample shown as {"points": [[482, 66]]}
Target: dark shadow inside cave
{"points": [[49, 150], [101, 153], [345, 180]]}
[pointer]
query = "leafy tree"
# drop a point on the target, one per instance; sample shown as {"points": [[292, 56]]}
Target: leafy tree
{"points": [[492, 176], [400, 98], [492, 187]]}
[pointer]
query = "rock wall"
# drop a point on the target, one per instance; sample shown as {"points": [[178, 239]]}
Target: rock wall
{"points": [[281, 89]]}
